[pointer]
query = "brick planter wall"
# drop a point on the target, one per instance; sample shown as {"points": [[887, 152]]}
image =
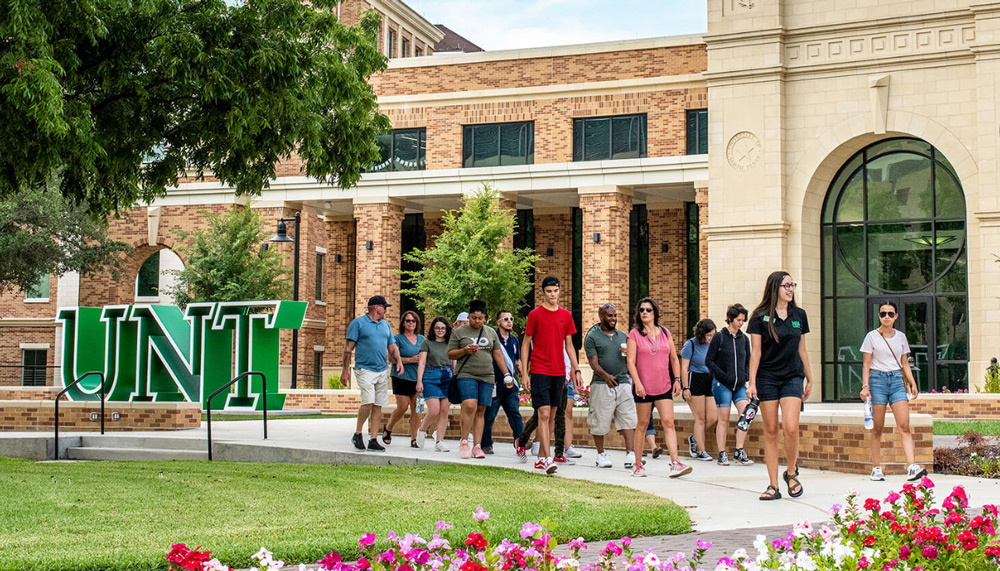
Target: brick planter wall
{"points": [[25, 415], [958, 406]]}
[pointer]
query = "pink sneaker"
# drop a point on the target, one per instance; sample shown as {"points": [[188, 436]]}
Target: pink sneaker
{"points": [[463, 449], [678, 469], [477, 452], [639, 471]]}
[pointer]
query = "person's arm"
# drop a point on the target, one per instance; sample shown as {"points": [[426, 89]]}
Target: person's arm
{"points": [[501, 362], [456, 354], [866, 367], [345, 371], [804, 355], [754, 365], [395, 358], [630, 352], [904, 365], [675, 366], [574, 365], [525, 348], [714, 347], [596, 367], [421, 365]]}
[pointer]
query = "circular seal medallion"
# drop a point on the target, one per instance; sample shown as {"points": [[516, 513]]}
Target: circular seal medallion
{"points": [[743, 150]]}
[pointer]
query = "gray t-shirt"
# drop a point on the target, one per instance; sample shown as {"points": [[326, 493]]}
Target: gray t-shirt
{"points": [[608, 349], [479, 365], [437, 353]]}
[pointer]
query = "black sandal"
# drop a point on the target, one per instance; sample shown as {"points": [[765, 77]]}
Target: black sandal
{"points": [[771, 493], [386, 434], [793, 483], [413, 443], [657, 452]]}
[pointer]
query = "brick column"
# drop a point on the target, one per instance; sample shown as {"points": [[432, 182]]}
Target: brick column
{"points": [[380, 222], [340, 277], [701, 199], [668, 270], [508, 202], [606, 211]]}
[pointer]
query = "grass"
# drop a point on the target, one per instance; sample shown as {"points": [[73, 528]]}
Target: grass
{"points": [[955, 427], [125, 515], [220, 417]]}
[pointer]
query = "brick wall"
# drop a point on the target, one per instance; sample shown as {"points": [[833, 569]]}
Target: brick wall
{"points": [[11, 353], [964, 406], [380, 223], [701, 198], [340, 288], [606, 272], [554, 231], [327, 401], [668, 271], [24, 415]]}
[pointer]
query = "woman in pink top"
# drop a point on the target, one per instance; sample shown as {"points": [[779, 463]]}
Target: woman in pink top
{"points": [[651, 357]]}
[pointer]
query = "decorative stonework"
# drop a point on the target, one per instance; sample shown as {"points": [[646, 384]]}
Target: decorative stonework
{"points": [[743, 151], [860, 47]]}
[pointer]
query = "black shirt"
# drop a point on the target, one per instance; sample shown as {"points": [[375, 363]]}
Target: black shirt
{"points": [[779, 360]]}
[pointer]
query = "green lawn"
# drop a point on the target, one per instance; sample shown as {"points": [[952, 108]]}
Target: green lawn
{"points": [[946, 427], [125, 515]]}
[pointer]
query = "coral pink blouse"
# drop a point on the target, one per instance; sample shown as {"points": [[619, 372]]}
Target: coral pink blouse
{"points": [[652, 360]]}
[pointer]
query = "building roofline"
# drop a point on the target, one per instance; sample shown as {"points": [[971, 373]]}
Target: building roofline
{"points": [[552, 51], [417, 23]]}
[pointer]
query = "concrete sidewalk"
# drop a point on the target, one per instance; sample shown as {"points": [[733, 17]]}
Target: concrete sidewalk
{"points": [[717, 497]]}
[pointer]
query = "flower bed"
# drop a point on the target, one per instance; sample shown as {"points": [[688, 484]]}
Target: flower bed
{"points": [[976, 456], [900, 532]]}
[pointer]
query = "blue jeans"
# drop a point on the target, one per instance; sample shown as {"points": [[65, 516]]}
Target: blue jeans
{"points": [[511, 403]]}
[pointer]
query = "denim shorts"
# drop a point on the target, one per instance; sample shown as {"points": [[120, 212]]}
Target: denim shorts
{"points": [[724, 397], [887, 387], [569, 391], [470, 389], [436, 381], [777, 389]]}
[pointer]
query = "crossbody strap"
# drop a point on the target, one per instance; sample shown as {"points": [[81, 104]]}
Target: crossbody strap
{"points": [[891, 351], [466, 360]]}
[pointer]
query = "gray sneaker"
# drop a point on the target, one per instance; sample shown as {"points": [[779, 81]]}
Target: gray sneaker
{"points": [[693, 446], [914, 472], [741, 457], [723, 458], [704, 456]]}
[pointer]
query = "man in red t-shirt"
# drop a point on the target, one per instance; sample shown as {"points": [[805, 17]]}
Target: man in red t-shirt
{"points": [[547, 336]]}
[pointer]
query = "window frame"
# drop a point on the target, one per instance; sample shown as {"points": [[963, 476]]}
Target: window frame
{"points": [[469, 138], [700, 116], [320, 281], [34, 367], [390, 43], [581, 155], [421, 150], [30, 297], [148, 298], [404, 47]]}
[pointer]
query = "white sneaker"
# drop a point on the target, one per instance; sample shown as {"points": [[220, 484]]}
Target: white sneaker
{"points": [[421, 438], [440, 447], [572, 453], [914, 472], [678, 469], [534, 447], [877, 474], [602, 460], [629, 460]]}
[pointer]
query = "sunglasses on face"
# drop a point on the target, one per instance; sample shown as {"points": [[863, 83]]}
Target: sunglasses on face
{"points": [[409, 321], [645, 310], [886, 314], [506, 319]]}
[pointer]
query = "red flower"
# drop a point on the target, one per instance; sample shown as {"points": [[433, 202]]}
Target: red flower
{"points": [[869, 541], [969, 540], [993, 550], [476, 540], [472, 566], [872, 504]]}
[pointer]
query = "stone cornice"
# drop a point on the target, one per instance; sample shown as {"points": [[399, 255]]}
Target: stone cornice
{"points": [[407, 16], [747, 231], [27, 322]]}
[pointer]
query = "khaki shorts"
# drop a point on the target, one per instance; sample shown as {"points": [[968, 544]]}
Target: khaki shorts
{"points": [[607, 404], [374, 386]]}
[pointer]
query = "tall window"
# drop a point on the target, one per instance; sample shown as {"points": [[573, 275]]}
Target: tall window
{"points": [[402, 150], [697, 131], [391, 44], [498, 144], [320, 268], [418, 52], [33, 367], [604, 138], [406, 48], [413, 237], [524, 237], [638, 262], [40, 290], [577, 282], [147, 283], [693, 266], [318, 369], [894, 230]]}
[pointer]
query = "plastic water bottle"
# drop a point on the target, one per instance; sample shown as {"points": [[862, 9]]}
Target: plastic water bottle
{"points": [[749, 413], [421, 405], [869, 421]]}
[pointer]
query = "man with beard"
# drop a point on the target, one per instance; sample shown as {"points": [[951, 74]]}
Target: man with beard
{"points": [[611, 387]]}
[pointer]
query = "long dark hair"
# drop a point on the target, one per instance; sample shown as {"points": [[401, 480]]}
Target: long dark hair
{"points": [[702, 329], [769, 302], [447, 329], [638, 316], [402, 318]]}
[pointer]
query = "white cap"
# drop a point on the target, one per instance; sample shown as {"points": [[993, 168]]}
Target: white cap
{"points": [[464, 316]]}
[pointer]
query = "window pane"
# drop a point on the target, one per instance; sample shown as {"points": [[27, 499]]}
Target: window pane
{"points": [[828, 320], [849, 381], [148, 280], [40, 289], [33, 367], [829, 382], [702, 131], [515, 142], [828, 257], [952, 265], [320, 263], [953, 376], [952, 329], [597, 140], [692, 132], [407, 150], [467, 146], [578, 129], [850, 252], [422, 160], [893, 145], [487, 150], [847, 173], [899, 187], [384, 143], [851, 329], [851, 207], [626, 135], [899, 256], [949, 200]]}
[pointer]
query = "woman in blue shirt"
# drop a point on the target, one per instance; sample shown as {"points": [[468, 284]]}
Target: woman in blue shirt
{"points": [[404, 386], [696, 386]]}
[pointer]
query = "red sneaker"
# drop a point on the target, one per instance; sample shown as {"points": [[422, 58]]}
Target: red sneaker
{"points": [[522, 454]]}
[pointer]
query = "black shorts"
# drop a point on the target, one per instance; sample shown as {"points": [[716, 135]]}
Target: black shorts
{"points": [[651, 398], [777, 389], [403, 387], [547, 390], [700, 384]]}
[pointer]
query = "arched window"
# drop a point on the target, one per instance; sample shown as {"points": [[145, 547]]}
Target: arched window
{"points": [[894, 229], [156, 277]]}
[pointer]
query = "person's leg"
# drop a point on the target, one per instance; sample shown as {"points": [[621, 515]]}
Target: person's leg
{"points": [[402, 403], [364, 412], [511, 403], [544, 430], [376, 421], [741, 436], [722, 428], [489, 416], [697, 405], [477, 426], [901, 412], [790, 407], [629, 436], [666, 409], [568, 422], [528, 430], [444, 408], [414, 418], [769, 412], [875, 437], [560, 423], [642, 410], [433, 409], [468, 417]]}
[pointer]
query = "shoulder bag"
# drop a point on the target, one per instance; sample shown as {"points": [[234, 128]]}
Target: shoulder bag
{"points": [[454, 396], [902, 371]]}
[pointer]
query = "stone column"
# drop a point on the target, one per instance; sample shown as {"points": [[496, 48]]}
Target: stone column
{"points": [[701, 199], [378, 250], [508, 202], [606, 211]]}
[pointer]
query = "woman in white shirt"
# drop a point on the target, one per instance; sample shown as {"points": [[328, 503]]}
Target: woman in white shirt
{"points": [[887, 380]]}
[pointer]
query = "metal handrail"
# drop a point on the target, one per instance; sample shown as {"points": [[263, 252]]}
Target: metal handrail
{"points": [[240, 377], [62, 392]]}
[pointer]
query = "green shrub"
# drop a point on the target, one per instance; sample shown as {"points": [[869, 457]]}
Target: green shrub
{"points": [[992, 380], [333, 382]]}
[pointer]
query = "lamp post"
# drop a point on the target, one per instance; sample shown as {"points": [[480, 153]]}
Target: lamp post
{"points": [[282, 236]]}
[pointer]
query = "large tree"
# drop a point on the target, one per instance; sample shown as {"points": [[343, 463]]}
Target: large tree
{"points": [[114, 99], [469, 262]]}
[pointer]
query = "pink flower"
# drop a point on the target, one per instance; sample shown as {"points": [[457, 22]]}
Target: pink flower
{"points": [[529, 530], [929, 551], [626, 541], [926, 482], [892, 497], [387, 556], [366, 540], [577, 543], [904, 552], [802, 528], [480, 515], [330, 562], [442, 525], [826, 533]]}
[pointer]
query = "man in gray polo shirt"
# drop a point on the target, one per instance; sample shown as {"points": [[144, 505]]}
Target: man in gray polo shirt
{"points": [[611, 387], [370, 339]]}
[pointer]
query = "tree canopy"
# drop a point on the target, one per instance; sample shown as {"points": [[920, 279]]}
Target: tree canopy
{"points": [[115, 99], [467, 261]]}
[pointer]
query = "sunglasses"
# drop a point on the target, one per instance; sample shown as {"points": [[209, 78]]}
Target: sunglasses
{"points": [[506, 319], [409, 321], [886, 314], [645, 310]]}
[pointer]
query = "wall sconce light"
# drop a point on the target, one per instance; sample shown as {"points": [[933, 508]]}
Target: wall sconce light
{"points": [[336, 258], [548, 252], [264, 247], [369, 245], [597, 237], [664, 247]]}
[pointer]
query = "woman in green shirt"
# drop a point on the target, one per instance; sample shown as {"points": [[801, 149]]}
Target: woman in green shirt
{"points": [[433, 380]]}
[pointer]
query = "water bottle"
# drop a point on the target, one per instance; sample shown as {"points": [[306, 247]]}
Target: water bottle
{"points": [[421, 405], [749, 413], [869, 421]]}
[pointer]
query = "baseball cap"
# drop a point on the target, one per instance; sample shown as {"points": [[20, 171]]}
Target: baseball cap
{"points": [[378, 300], [464, 316]]}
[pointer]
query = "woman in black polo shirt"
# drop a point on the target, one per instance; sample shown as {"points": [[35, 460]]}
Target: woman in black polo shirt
{"points": [[778, 365]]}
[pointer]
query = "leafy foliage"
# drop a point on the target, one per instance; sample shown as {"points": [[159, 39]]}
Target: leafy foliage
{"points": [[468, 263], [41, 233], [991, 383], [226, 262], [115, 98]]}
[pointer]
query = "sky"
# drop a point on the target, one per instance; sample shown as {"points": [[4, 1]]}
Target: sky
{"points": [[513, 24]]}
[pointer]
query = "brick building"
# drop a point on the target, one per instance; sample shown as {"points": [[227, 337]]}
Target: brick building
{"points": [[853, 147]]}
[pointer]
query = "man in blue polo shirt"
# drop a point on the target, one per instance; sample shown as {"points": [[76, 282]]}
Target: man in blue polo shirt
{"points": [[370, 339], [507, 397]]}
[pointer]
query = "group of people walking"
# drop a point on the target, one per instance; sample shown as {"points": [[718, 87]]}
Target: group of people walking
{"points": [[483, 370]]}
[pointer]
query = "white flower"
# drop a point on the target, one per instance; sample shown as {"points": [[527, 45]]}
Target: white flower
{"points": [[724, 567], [651, 560], [740, 553], [568, 563], [805, 562], [302, 567], [750, 565], [275, 565], [214, 565], [802, 528], [760, 544], [850, 494], [262, 554]]}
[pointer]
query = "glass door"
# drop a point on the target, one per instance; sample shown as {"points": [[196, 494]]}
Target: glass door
{"points": [[916, 320]]}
